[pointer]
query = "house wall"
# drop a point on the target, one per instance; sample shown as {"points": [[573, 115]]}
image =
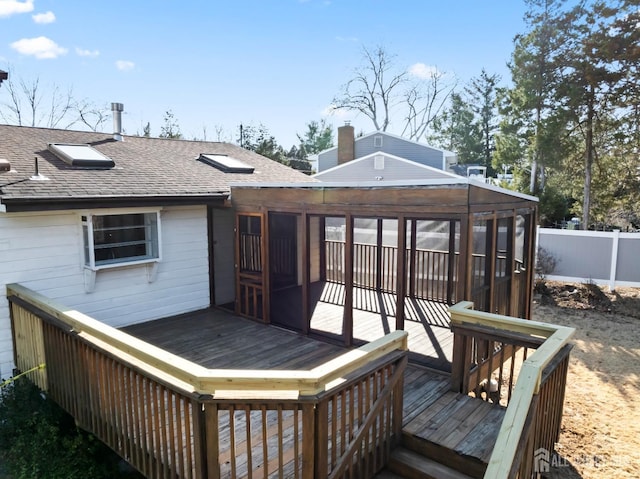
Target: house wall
{"points": [[390, 144], [364, 170], [45, 253], [224, 256]]}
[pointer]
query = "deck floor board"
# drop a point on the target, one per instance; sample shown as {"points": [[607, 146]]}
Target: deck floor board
{"points": [[218, 339]]}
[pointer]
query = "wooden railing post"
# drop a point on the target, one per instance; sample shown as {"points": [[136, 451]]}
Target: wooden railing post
{"points": [[321, 439], [460, 362]]}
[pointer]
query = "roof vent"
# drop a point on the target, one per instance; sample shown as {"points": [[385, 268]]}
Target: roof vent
{"points": [[4, 165], [226, 163], [117, 109], [81, 155]]}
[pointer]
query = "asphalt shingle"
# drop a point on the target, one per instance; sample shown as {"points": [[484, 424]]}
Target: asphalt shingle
{"points": [[144, 167]]}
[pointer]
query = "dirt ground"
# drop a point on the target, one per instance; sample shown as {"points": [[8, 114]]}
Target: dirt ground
{"points": [[601, 425]]}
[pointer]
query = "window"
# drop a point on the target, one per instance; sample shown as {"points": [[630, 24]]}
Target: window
{"points": [[226, 164], [81, 155], [377, 141], [115, 239]]}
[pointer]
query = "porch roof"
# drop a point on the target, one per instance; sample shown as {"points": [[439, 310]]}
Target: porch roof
{"points": [[381, 198]]}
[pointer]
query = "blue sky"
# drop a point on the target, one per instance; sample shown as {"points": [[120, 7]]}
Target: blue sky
{"points": [[219, 63]]}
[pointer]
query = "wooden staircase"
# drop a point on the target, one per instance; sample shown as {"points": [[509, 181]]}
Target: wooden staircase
{"points": [[445, 435]]}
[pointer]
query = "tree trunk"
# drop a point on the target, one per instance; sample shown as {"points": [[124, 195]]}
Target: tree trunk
{"points": [[588, 161]]}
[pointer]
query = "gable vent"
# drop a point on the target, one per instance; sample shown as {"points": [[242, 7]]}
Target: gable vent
{"points": [[226, 164], [81, 155]]}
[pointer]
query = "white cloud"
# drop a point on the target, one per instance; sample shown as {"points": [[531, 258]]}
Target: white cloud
{"points": [[40, 47], [86, 53], [47, 17], [125, 65], [11, 7], [423, 71]]}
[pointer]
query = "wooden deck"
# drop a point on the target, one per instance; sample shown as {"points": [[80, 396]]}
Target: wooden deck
{"points": [[436, 421], [217, 339], [427, 322]]}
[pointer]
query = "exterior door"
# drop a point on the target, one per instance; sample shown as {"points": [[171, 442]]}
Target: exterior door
{"points": [[251, 267]]}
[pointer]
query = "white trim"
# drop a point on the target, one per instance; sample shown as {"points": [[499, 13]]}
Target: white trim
{"points": [[391, 157], [589, 233], [392, 135], [455, 180]]}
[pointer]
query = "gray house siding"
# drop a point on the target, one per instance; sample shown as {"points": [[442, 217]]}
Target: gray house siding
{"points": [[393, 145], [394, 169]]}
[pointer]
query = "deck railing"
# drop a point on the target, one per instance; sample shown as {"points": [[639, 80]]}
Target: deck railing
{"points": [[522, 364], [428, 275], [172, 418]]}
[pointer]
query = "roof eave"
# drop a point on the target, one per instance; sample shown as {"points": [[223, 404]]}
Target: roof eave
{"points": [[26, 204]]}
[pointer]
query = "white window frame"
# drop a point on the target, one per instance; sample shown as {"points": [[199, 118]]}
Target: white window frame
{"points": [[377, 141], [86, 220]]}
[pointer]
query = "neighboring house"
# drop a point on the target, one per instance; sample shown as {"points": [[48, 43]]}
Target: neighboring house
{"points": [[350, 148], [124, 228], [382, 167]]}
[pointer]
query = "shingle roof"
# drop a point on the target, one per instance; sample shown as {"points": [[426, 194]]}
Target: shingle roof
{"points": [[145, 167]]}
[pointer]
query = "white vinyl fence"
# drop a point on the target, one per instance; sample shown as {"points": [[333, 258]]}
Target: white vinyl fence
{"points": [[606, 258]]}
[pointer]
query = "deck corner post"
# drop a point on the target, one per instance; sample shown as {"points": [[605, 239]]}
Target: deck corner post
{"points": [[320, 440], [460, 361], [398, 403], [208, 446]]}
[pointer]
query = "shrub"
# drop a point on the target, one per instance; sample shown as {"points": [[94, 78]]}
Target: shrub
{"points": [[39, 440], [546, 263]]}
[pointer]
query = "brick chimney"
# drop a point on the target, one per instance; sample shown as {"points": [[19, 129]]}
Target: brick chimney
{"points": [[346, 143]]}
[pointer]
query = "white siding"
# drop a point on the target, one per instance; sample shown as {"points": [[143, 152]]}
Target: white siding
{"points": [[45, 252], [393, 169], [224, 256]]}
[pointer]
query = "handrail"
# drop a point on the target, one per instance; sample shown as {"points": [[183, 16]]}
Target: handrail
{"points": [[215, 382], [529, 378]]}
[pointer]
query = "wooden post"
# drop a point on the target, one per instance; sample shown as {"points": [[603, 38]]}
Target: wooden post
{"points": [[323, 248], [530, 250], [466, 270], [451, 260], [320, 440], [266, 271], [379, 266], [412, 259], [401, 275], [212, 449], [238, 299], [347, 321], [306, 275], [460, 362], [398, 402], [490, 261]]}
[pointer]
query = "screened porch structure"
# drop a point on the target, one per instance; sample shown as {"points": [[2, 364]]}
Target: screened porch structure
{"points": [[352, 263]]}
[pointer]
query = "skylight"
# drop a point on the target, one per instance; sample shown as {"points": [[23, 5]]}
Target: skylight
{"points": [[81, 155], [226, 163]]}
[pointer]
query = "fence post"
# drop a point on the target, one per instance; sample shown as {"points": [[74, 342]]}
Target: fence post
{"points": [[614, 260]]}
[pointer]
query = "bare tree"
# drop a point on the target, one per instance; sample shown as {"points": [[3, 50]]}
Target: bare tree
{"points": [[381, 91], [373, 90], [424, 101], [32, 104]]}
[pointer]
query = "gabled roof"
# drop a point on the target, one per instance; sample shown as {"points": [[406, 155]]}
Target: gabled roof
{"points": [[147, 171], [430, 172], [391, 135]]}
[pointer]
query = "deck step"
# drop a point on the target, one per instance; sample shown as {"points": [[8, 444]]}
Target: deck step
{"points": [[411, 465], [455, 430]]}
